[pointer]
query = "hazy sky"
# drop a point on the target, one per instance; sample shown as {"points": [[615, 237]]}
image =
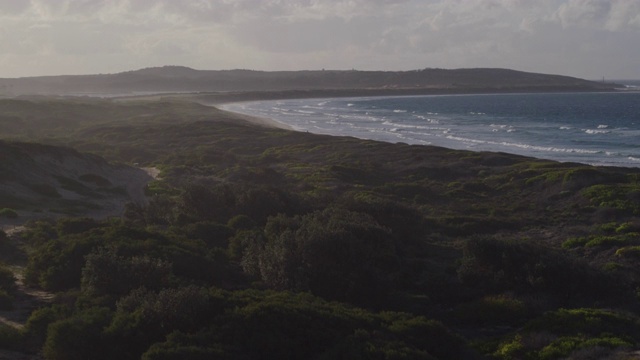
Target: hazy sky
{"points": [[583, 38]]}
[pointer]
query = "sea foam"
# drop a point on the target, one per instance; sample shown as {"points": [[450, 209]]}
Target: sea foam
{"points": [[593, 128]]}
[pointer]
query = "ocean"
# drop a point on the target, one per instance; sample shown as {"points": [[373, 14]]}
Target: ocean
{"points": [[592, 128]]}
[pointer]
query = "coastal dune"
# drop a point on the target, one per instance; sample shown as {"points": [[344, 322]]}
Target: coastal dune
{"points": [[41, 181]]}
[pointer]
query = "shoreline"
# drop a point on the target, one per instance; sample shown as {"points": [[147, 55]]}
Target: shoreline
{"points": [[227, 97], [255, 120], [272, 122], [220, 100]]}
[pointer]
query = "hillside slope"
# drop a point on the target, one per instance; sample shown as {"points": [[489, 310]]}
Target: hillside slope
{"points": [[47, 181], [261, 240]]}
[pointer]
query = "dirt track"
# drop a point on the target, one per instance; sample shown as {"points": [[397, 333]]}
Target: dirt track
{"points": [[26, 300]]}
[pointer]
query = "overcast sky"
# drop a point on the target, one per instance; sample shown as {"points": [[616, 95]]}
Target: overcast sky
{"points": [[584, 38]]}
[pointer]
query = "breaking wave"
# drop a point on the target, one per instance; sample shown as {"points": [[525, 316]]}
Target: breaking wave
{"points": [[588, 128]]}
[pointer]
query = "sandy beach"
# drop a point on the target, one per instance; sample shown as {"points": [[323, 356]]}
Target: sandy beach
{"points": [[256, 120]]}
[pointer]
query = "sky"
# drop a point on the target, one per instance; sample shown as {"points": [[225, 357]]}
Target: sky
{"points": [[589, 39]]}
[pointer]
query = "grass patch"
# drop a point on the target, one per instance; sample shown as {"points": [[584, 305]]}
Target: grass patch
{"points": [[624, 197], [606, 241], [565, 346]]}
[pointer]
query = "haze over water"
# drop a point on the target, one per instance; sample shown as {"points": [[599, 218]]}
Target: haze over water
{"points": [[591, 128]]}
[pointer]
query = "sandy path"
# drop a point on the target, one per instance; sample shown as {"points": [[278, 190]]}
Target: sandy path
{"points": [[26, 300], [154, 172]]}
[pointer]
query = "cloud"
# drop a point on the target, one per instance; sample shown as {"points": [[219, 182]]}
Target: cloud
{"points": [[85, 36], [612, 15], [13, 7]]}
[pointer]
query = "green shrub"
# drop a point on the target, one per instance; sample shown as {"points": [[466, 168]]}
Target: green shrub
{"points": [[610, 241], [6, 300], [575, 242], [212, 233], [107, 273], [336, 254], [629, 251], [561, 333], [619, 196], [6, 245], [497, 266], [300, 326], [164, 351], [159, 187], [144, 317], [622, 239], [39, 320], [589, 322], [10, 338], [628, 227], [78, 337], [8, 213], [608, 228], [564, 346], [581, 177], [69, 226], [57, 264], [612, 266], [511, 350], [7, 279], [499, 310], [241, 222]]}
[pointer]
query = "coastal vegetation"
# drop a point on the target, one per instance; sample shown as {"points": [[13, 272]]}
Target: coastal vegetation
{"points": [[257, 242]]}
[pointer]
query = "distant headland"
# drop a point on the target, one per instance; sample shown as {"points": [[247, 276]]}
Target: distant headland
{"points": [[174, 79]]}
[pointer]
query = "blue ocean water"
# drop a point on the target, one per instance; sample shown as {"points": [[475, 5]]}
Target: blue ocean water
{"points": [[591, 128]]}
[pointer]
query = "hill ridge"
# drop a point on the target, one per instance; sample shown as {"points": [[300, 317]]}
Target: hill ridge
{"points": [[174, 78]]}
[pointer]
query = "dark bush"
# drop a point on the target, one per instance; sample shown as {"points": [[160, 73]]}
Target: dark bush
{"points": [[288, 326], [145, 317], [107, 273], [78, 337], [212, 233], [57, 265], [39, 320], [6, 300], [241, 222], [69, 226], [335, 254], [495, 266], [7, 279], [10, 338]]}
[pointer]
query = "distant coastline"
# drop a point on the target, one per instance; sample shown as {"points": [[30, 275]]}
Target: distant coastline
{"points": [[227, 84], [475, 125], [218, 98], [221, 99]]}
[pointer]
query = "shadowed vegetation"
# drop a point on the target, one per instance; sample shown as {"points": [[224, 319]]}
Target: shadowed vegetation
{"points": [[259, 243]]}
